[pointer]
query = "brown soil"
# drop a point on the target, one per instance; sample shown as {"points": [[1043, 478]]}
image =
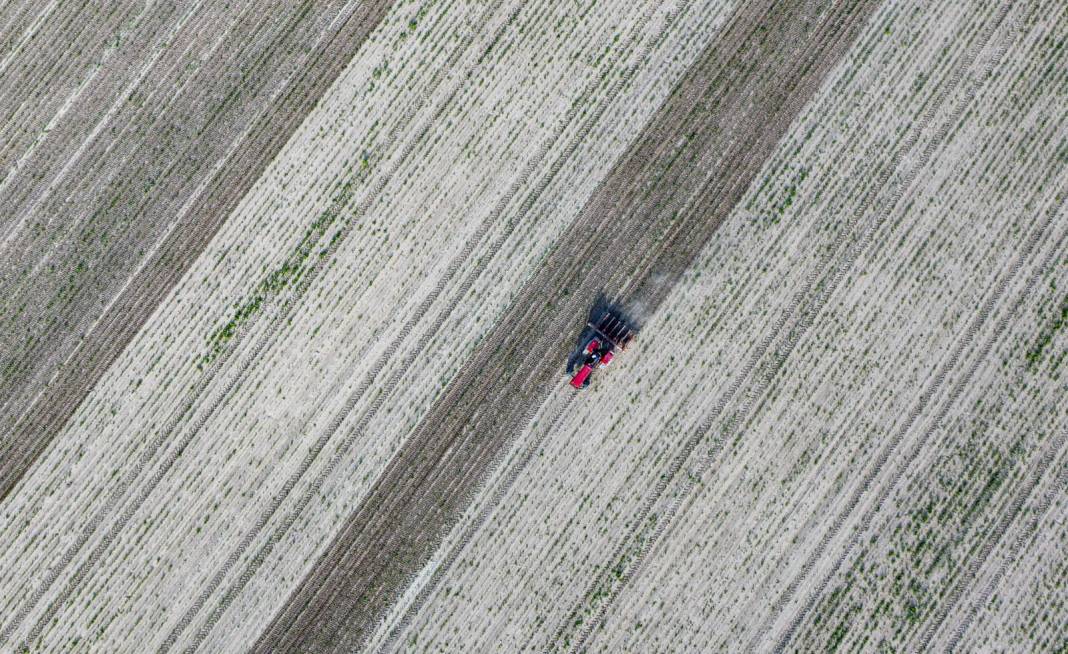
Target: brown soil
{"points": [[657, 209], [106, 222]]}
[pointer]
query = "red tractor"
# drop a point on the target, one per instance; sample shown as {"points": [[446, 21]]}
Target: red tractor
{"points": [[611, 333]]}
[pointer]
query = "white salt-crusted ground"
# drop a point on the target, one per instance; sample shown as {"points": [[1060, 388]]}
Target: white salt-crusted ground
{"points": [[970, 215], [844, 429], [151, 497]]}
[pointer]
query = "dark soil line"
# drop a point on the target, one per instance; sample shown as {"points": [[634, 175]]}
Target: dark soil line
{"points": [[790, 80], [95, 354], [649, 215]]}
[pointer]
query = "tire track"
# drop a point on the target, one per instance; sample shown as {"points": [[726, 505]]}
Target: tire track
{"points": [[445, 449], [654, 293], [520, 464], [31, 428], [505, 485], [29, 23], [761, 634], [468, 369], [1059, 484], [113, 163], [843, 266], [783, 350], [177, 246], [17, 463], [994, 538], [157, 35], [390, 385], [655, 296], [35, 83], [281, 314], [185, 234], [130, 479], [935, 424], [174, 256], [580, 233], [455, 453]]}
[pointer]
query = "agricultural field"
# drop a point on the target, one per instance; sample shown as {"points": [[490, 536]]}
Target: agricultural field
{"points": [[288, 292]]}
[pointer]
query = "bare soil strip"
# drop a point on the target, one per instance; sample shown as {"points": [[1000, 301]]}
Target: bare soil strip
{"points": [[442, 286], [176, 431], [511, 474], [833, 31], [657, 208], [211, 143]]}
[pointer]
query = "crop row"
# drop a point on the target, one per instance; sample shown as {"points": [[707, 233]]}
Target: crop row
{"points": [[783, 472], [191, 436]]}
